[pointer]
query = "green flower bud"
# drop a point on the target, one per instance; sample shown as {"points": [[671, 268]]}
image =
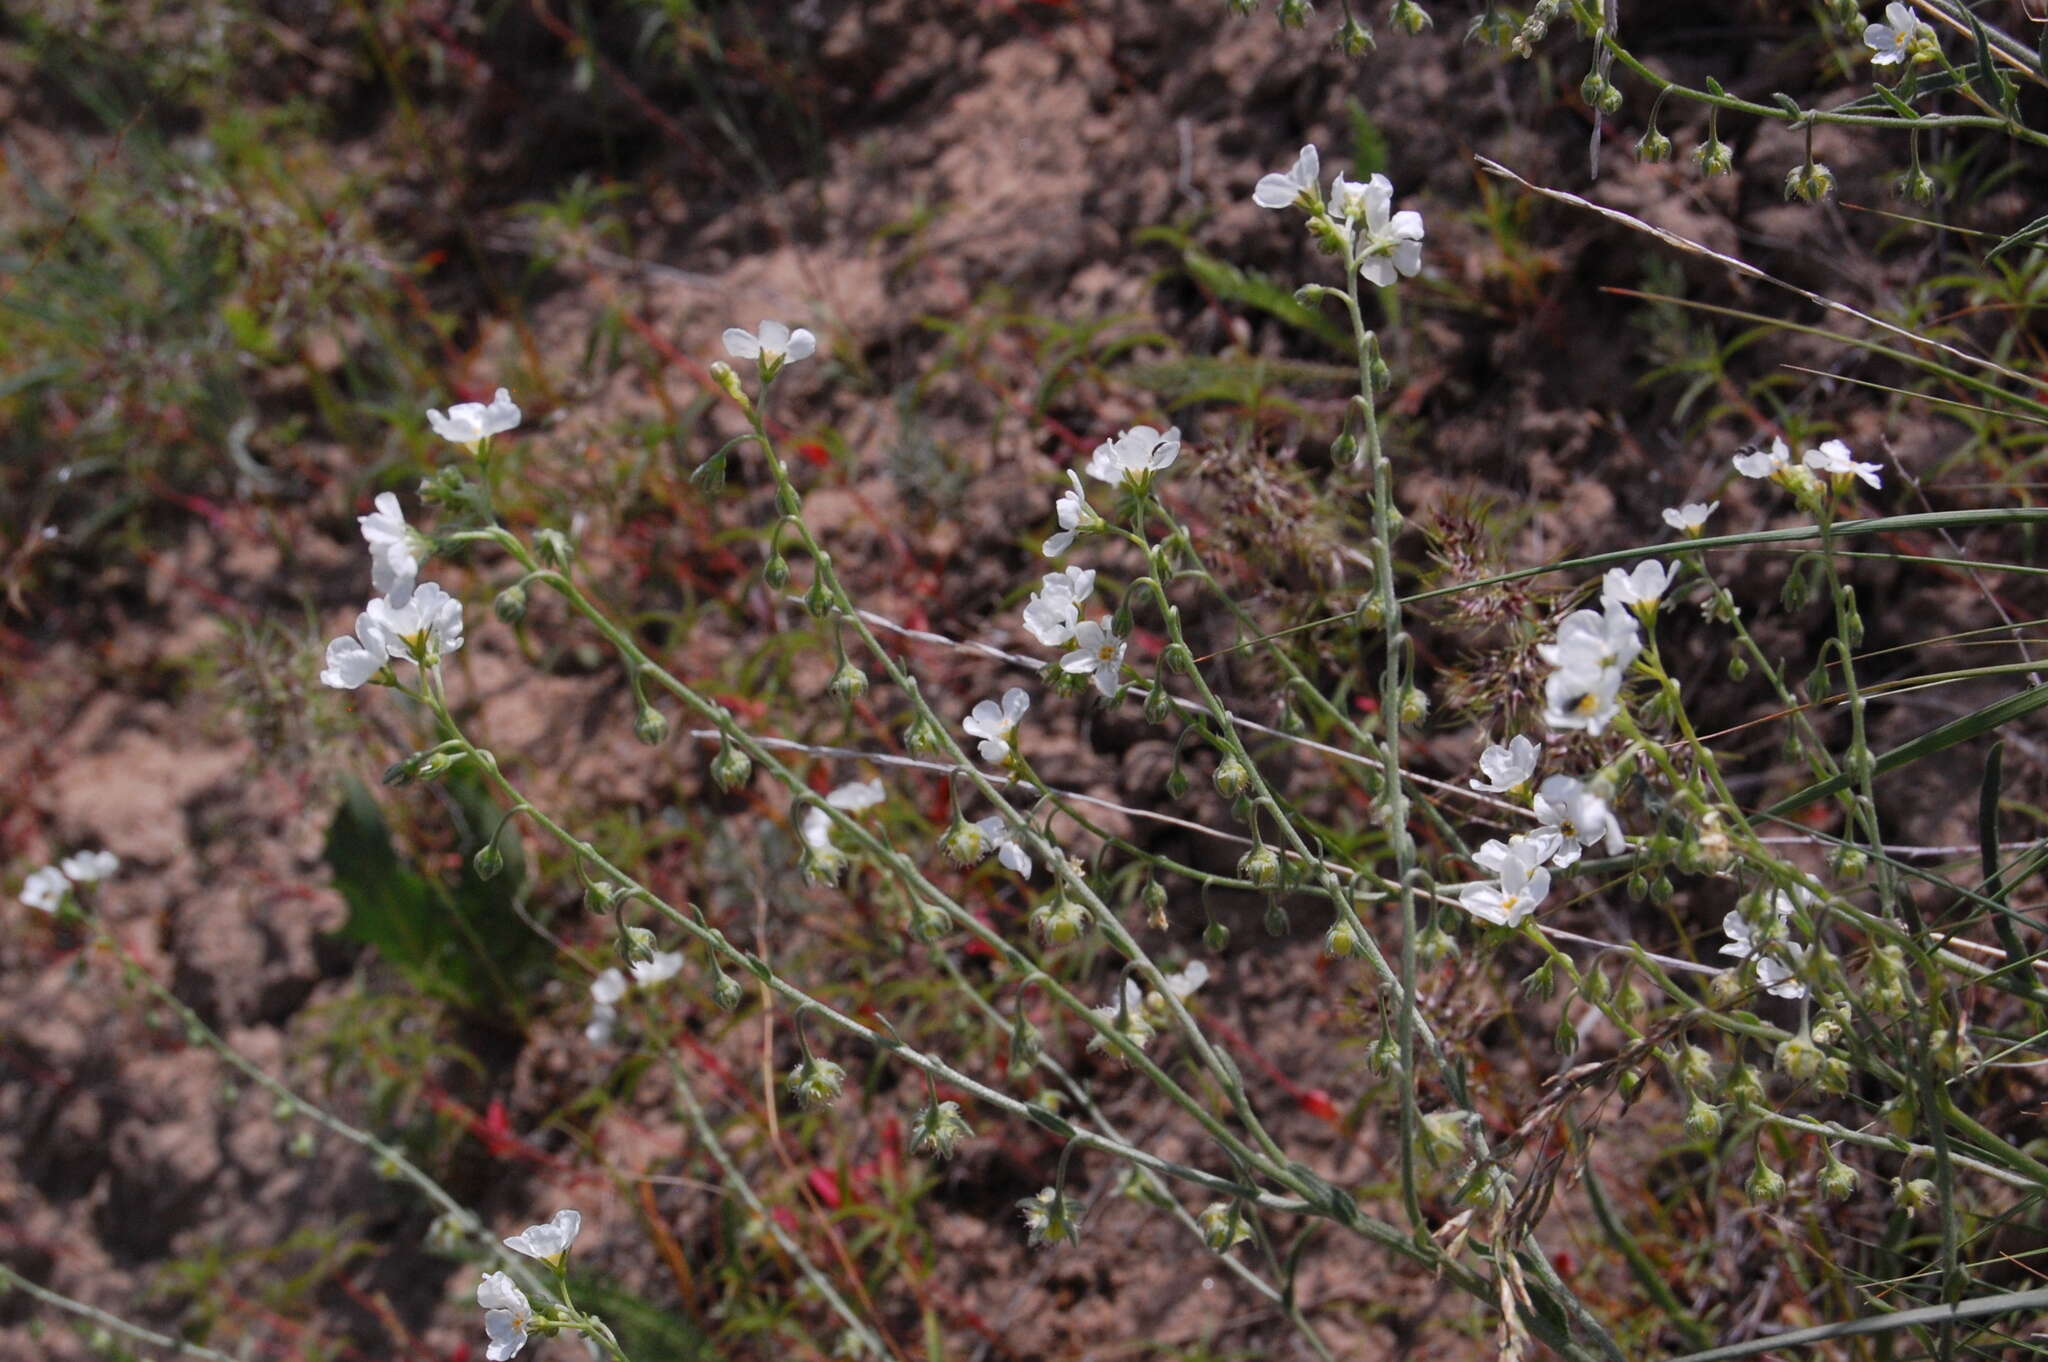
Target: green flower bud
{"points": [[1434, 945], [303, 1144], [1693, 1067], [939, 1129], [815, 1082], [1810, 183], [775, 572], [923, 739], [1744, 1089], [1060, 921], [729, 383], [552, 547], [488, 861], [1599, 93], [929, 923], [731, 768], [1410, 17], [1653, 148], [1765, 1183], [709, 476], [1443, 1134], [1215, 936], [1223, 1226], [1154, 899], [1702, 1120], [1541, 982], [1177, 784], [726, 992], [1231, 777], [1726, 988], [1293, 13], [1713, 157], [510, 604], [1276, 920], [400, 772], [1159, 706], [818, 599], [849, 683], [1385, 1055], [599, 895], [650, 727], [1026, 1045], [1799, 1056], [1370, 614], [1916, 186], [1260, 866], [1837, 1180]]}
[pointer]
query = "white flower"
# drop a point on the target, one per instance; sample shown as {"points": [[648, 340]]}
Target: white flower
{"points": [[817, 824], [550, 1241], [608, 987], [998, 834], [90, 867], [1775, 957], [394, 549], [1833, 458], [659, 968], [1902, 35], [1127, 1016], [45, 889], [1643, 586], [996, 725], [1508, 901], [1592, 643], [1134, 456], [1075, 516], [598, 1030], [773, 345], [1764, 463], [1690, 518], [351, 661], [1578, 700], [1054, 609], [1098, 652], [1387, 244], [471, 423], [423, 630], [1578, 817], [1507, 769], [1302, 180], [506, 1315]]}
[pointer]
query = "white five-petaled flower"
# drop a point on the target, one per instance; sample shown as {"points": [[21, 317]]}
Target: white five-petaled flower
{"points": [[852, 797], [1776, 957], [1834, 459], [44, 889], [1578, 817], [1903, 35], [506, 1315], [1055, 608], [997, 724], [354, 659], [1764, 461], [1508, 769], [1690, 518], [1075, 517], [997, 833], [1388, 244], [1098, 653], [1522, 885], [1134, 456], [1300, 183], [423, 630], [1591, 643], [548, 1242], [471, 423], [394, 549], [1587, 701], [773, 346], [89, 867], [1636, 589]]}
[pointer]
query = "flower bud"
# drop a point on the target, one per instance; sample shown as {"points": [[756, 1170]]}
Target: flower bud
{"points": [[510, 604], [1177, 783], [1693, 1067], [1599, 93], [1702, 1119], [709, 476], [1060, 921], [815, 1082], [1178, 658], [1916, 186], [303, 1144], [1223, 1226], [1414, 706], [1340, 942], [1913, 1195], [822, 866], [1293, 13], [1653, 148], [638, 945], [488, 861], [1371, 613], [922, 739], [929, 923], [1443, 1134], [1726, 988], [1765, 1183], [1566, 1037], [1050, 1217], [1744, 1088], [775, 572], [726, 992], [599, 895], [1799, 1056], [939, 1129], [964, 843], [1410, 17], [1215, 936], [1810, 183], [434, 765], [731, 768], [400, 772], [1541, 982], [1154, 899], [1231, 777], [1159, 705], [1385, 1055], [1713, 157], [729, 383], [1276, 920], [1837, 1180], [650, 727], [1026, 1045], [849, 683], [1260, 866], [818, 599], [552, 547], [1434, 945]]}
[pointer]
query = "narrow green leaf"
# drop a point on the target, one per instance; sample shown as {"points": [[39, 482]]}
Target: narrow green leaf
{"points": [[2025, 236], [1989, 80], [1987, 820], [1983, 1307], [1951, 734]]}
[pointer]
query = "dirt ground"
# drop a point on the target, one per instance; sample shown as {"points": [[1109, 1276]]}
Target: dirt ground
{"points": [[1028, 146]]}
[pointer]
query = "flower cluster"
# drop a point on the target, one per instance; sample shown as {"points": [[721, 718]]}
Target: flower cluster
{"points": [[46, 889], [1570, 818], [1358, 217], [1833, 460], [1902, 37], [1761, 934], [1594, 649], [508, 1315]]}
